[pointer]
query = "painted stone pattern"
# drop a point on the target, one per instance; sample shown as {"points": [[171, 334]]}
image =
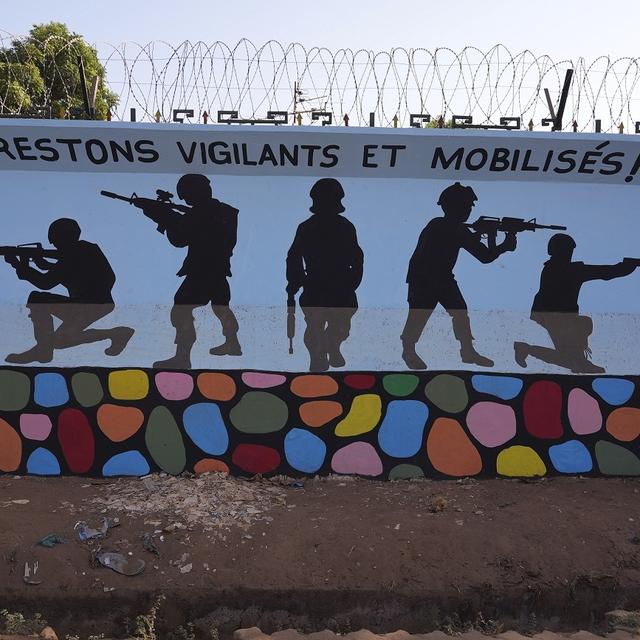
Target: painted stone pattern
{"points": [[385, 425]]}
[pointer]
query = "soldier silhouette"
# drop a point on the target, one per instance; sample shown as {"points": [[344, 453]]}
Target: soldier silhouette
{"points": [[209, 230], [85, 272], [430, 274], [326, 261], [555, 307]]}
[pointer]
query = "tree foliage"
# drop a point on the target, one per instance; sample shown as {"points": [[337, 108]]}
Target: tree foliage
{"points": [[42, 70]]}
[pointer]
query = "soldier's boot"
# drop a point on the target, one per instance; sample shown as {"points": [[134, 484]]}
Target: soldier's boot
{"points": [[336, 359], [231, 345], [587, 367], [182, 320], [462, 331], [182, 360], [318, 362], [43, 334], [120, 337], [410, 357], [521, 351]]}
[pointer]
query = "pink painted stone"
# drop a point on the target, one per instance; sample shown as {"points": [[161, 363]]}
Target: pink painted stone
{"points": [[584, 412], [491, 423], [174, 385], [357, 458], [35, 426], [257, 380]]}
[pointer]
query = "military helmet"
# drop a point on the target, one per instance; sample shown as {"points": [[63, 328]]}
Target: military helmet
{"points": [[560, 244], [327, 195], [456, 194], [63, 230], [192, 182]]}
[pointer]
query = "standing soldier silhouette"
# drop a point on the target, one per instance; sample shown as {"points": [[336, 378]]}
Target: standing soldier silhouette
{"points": [[209, 230], [85, 272], [326, 261], [430, 275], [555, 307]]}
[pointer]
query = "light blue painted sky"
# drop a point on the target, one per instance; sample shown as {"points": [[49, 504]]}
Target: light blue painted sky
{"points": [[567, 29]]}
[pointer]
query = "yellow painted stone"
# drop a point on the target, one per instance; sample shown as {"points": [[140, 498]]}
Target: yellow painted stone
{"points": [[128, 384], [364, 415], [520, 462]]}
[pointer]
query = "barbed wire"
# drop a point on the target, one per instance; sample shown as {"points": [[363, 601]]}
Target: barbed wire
{"points": [[158, 77]]}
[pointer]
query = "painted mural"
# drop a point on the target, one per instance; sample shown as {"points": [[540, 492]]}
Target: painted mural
{"points": [[279, 313], [390, 426]]}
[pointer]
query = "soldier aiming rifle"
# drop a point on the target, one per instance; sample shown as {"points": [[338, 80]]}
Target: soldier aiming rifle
{"points": [[430, 275], [85, 272], [208, 228]]}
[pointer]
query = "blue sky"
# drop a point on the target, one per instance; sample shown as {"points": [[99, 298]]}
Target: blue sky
{"points": [[562, 30]]}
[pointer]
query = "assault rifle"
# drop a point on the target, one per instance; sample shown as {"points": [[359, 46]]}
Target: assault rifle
{"points": [[291, 321], [489, 226], [148, 205], [28, 252]]}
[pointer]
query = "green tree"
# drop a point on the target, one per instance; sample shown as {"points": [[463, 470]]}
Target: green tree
{"points": [[42, 70]]}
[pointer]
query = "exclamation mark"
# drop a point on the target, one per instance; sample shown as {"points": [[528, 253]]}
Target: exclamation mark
{"points": [[634, 170]]}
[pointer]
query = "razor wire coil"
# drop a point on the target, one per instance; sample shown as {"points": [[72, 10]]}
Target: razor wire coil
{"points": [[157, 78]]}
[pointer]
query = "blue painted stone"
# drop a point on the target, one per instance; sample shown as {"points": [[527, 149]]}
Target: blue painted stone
{"points": [[42, 462], [571, 457], [50, 390], [503, 387], [204, 425], [615, 391], [304, 451], [402, 429], [129, 463]]}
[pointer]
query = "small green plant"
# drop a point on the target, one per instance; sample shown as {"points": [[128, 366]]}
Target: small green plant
{"points": [[487, 626], [145, 625], [16, 623]]}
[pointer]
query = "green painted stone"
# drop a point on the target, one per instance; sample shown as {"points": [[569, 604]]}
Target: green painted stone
{"points": [[615, 460], [87, 389], [259, 412], [15, 388], [400, 384], [164, 441], [405, 472], [448, 393]]}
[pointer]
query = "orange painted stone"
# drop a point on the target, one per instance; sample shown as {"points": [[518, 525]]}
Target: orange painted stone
{"points": [[10, 447], [119, 423], [209, 465], [217, 386], [451, 451], [624, 423], [318, 412], [314, 386]]}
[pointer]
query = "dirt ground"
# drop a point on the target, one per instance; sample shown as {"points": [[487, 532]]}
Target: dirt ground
{"points": [[337, 553]]}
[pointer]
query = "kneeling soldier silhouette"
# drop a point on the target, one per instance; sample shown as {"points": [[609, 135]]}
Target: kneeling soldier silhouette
{"points": [[326, 261], [85, 272], [555, 307], [430, 275]]}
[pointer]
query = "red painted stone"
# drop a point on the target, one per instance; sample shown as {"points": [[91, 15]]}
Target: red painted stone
{"points": [[360, 381], [76, 440], [542, 406], [255, 458]]}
